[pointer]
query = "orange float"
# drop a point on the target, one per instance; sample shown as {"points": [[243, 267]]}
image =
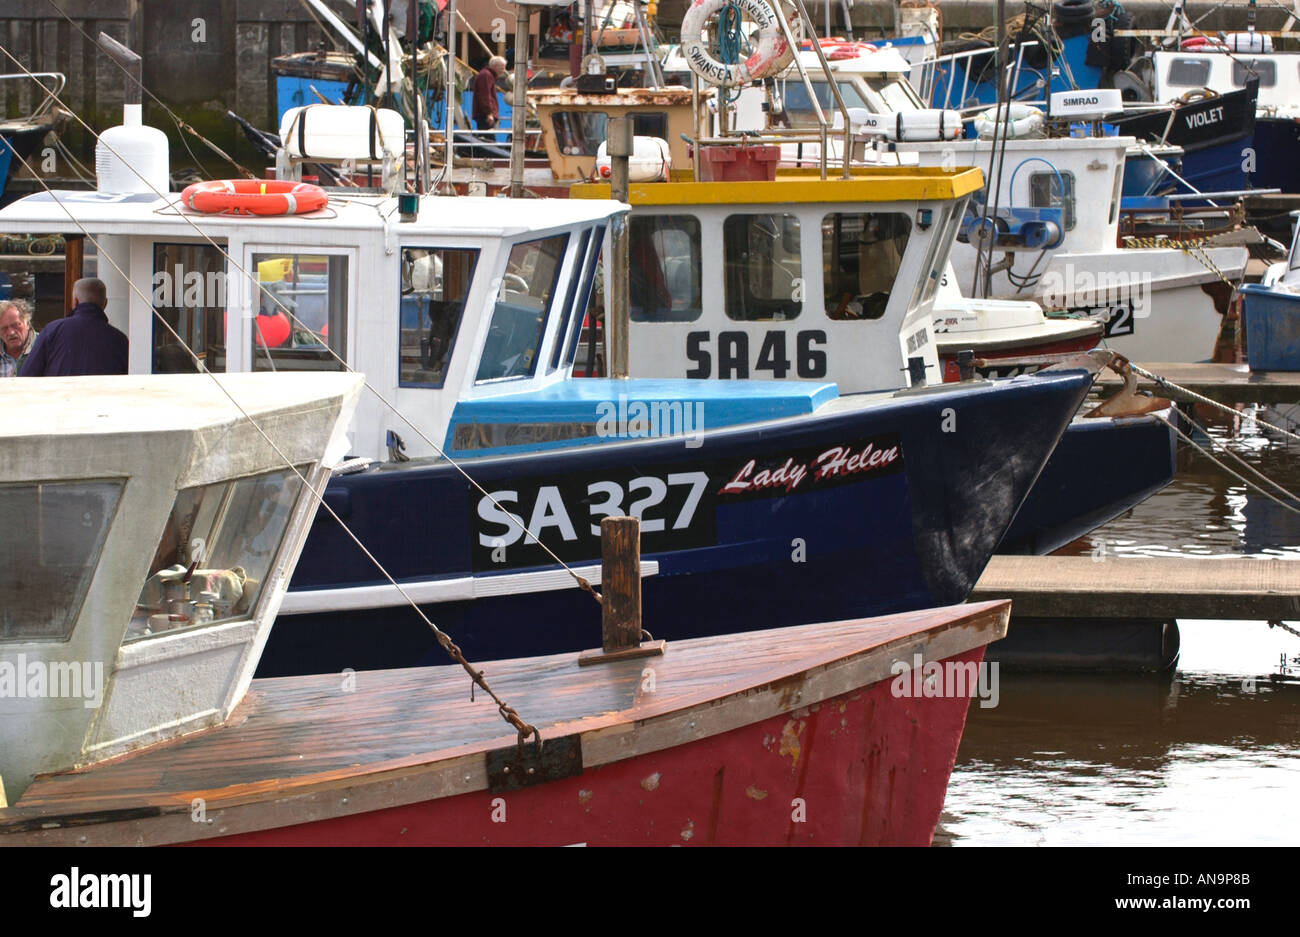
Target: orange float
{"points": [[254, 197]]}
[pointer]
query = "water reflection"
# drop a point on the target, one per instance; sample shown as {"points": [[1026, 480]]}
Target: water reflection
{"points": [[1206, 759], [1209, 756]]}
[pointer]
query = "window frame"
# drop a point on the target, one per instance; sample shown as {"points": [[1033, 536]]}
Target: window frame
{"points": [[698, 246], [1188, 59], [1069, 198], [476, 256], [90, 567], [825, 218], [582, 302], [1241, 73], [499, 280], [243, 324], [223, 247], [801, 304]]}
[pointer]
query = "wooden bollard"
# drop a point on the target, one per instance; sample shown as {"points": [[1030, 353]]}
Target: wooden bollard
{"points": [[620, 591], [620, 583]]}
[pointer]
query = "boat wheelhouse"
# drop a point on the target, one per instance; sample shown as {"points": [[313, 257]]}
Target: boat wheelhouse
{"points": [[802, 277], [153, 523]]}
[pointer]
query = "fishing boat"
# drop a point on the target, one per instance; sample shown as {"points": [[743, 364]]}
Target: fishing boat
{"points": [[799, 502], [1217, 67], [23, 135], [1045, 227], [163, 531], [1068, 52], [1049, 232]]}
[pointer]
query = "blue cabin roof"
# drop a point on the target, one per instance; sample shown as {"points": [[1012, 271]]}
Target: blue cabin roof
{"points": [[593, 410]]}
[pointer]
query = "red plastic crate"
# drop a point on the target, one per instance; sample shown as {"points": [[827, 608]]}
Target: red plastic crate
{"points": [[738, 163]]}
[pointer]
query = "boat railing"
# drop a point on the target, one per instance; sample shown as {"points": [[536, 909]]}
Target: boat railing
{"points": [[946, 65], [783, 134], [52, 89]]}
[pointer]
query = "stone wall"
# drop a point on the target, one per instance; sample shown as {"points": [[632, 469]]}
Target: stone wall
{"points": [[201, 58]]}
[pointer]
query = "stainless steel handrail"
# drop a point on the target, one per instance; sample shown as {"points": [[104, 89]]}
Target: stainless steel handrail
{"points": [[51, 95]]}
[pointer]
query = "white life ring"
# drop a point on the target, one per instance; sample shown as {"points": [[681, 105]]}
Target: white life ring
{"points": [[771, 56], [1018, 121]]}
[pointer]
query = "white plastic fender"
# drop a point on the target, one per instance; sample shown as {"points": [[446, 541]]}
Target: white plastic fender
{"points": [[1018, 121], [923, 124], [771, 57]]}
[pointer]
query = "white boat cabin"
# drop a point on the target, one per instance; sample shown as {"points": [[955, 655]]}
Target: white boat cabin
{"points": [[150, 532], [468, 298], [801, 277]]}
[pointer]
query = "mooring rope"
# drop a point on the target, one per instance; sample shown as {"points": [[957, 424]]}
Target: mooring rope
{"points": [[1229, 452], [1200, 398]]}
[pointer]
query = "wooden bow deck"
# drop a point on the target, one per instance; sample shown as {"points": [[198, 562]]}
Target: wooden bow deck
{"points": [[304, 749]]}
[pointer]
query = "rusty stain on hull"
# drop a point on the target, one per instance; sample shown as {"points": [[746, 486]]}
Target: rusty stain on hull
{"points": [[790, 740]]}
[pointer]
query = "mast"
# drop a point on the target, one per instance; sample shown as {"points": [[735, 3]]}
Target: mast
{"points": [[517, 118]]}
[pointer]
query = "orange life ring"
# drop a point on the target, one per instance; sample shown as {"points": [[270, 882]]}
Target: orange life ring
{"points": [[254, 197]]}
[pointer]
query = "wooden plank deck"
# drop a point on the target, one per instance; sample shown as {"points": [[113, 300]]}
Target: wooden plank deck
{"points": [[1226, 383], [1143, 587], [293, 733]]}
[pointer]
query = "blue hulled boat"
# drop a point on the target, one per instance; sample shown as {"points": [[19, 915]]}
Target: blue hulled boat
{"points": [[761, 503]]}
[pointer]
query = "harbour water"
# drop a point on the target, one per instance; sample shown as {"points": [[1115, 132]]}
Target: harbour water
{"points": [[1208, 756]]}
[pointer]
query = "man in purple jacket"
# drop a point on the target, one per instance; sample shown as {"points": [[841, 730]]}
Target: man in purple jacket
{"points": [[82, 343]]}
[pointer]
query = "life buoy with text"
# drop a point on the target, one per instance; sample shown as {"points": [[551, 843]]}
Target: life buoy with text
{"points": [[770, 57]]}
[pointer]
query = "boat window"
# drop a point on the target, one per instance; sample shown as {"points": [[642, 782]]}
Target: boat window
{"points": [[54, 534], [189, 292], [1045, 192], [1194, 72], [216, 551], [945, 221], [580, 133], [664, 276], [523, 301], [1244, 69], [798, 106], [1116, 193], [895, 92], [763, 268], [302, 302], [584, 315], [576, 274], [861, 253], [435, 284]]}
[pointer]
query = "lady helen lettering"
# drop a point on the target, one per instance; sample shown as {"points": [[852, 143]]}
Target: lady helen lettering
{"points": [[785, 474]]}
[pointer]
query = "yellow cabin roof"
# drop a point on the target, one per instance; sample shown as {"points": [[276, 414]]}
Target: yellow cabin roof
{"points": [[868, 184]]}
